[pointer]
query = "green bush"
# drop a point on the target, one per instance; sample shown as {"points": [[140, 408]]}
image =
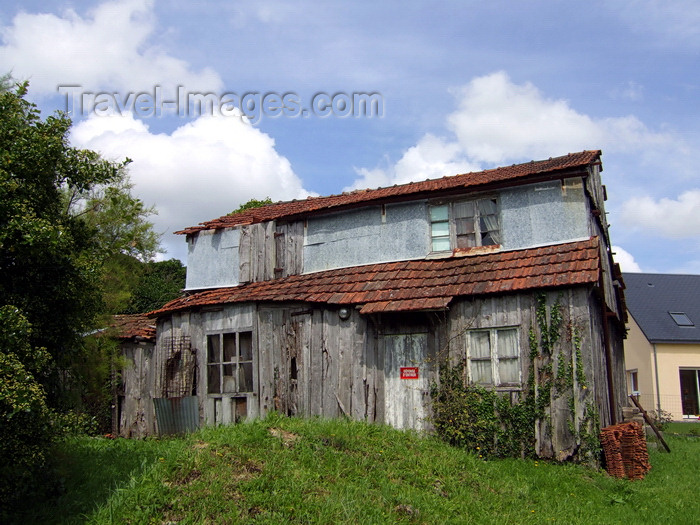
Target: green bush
{"points": [[26, 431], [481, 420]]}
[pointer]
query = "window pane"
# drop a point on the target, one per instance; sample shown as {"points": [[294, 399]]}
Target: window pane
{"points": [[507, 343], [213, 349], [481, 371], [230, 353], [440, 229], [439, 213], [509, 370], [245, 377], [466, 241], [464, 225], [245, 344], [441, 244], [464, 209], [487, 207], [480, 346], [213, 380], [229, 378]]}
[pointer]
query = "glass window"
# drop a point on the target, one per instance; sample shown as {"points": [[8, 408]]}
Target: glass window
{"points": [[465, 224], [230, 362], [494, 357]]}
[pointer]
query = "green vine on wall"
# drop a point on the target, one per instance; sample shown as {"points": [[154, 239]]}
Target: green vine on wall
{"points": [[492, 424]]}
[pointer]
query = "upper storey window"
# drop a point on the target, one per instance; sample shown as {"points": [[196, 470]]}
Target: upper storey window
{"points": [[464, 224]]}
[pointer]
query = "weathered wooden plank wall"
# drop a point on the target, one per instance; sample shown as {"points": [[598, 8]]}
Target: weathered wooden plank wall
{"points": [[257, 250], [136, 413]]}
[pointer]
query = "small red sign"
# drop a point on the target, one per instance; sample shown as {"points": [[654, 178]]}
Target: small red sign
{"points": [[409, 372]]}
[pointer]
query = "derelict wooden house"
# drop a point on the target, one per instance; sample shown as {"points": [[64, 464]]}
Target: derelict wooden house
{"points": [[345, 305]]}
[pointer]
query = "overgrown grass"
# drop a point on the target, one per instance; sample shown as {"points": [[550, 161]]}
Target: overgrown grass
{"points": [[282, 470]]}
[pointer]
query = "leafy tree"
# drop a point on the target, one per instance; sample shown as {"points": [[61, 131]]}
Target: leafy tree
{"points": [[26, 429], [252, 203], [160, 282], [49, 258]]}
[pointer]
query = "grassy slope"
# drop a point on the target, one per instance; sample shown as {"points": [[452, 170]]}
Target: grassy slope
{"points": [[341, 472]]}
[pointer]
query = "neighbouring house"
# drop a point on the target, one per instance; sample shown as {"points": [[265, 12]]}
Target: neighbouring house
{"points": [[662, 350], [346, 305]]}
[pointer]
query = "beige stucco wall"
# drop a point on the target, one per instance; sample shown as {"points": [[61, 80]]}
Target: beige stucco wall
{"points": [[672, 357], [639, 355]]}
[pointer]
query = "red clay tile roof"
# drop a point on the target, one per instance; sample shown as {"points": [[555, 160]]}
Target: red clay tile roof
{"points": [[420, 284], [551, 167], [132, 326]]}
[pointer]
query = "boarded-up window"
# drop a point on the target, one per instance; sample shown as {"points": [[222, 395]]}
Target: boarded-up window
{"points": [[230, 362], [494, 357]]}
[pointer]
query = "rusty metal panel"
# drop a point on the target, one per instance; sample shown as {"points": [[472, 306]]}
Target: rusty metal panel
{"points": [[176, 415]]}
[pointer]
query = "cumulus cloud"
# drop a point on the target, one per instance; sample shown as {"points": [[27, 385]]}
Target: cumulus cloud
{"points": [[200, 171], [432, 157], [110, 48], [498, 121], [676, 218], [626, 260]]}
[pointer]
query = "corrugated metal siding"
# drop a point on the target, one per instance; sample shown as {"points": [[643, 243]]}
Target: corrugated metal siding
{"points": [[176, 415]]}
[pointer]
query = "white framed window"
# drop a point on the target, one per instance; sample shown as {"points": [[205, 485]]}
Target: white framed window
{"points": [[493, 357], [230, 362], [464, 224], [633, 382]]}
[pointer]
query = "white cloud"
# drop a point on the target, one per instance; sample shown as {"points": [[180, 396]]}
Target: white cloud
{"points": [[626, 260], [674, 218], [431, 158], [200, 171], [110, 48], [498, 121]]}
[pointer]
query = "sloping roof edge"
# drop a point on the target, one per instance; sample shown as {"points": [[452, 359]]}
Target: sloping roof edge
{"points": [[137, 327], [552, 166], [417, 284]]}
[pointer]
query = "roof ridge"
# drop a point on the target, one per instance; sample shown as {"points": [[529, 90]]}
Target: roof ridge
{"points": [[310, 204]]}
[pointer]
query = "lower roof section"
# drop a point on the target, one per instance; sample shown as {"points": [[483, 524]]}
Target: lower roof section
{"points": [[425, 284]]}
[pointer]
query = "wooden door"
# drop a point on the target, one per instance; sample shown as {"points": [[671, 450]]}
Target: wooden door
{"points": [[405, 380]]}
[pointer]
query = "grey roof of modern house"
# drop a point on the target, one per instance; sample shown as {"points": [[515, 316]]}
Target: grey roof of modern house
{"points": [[665, 306]]}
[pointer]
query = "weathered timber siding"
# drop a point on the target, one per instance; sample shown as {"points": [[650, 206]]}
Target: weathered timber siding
{"points": [[314, 363], [310, 362], [582, 317], [135, 415], [257, 252]]}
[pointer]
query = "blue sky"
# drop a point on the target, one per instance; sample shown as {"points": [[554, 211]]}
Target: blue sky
{"points": [[465, 86]]}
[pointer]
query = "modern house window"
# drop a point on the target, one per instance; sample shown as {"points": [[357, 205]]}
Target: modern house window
{"points": [[494, 357], [464, 224], [690, 391], [633, 377], [230, 362]]}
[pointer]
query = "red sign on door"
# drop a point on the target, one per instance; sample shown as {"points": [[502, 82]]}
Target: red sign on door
{"points": [[409, 372]]}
